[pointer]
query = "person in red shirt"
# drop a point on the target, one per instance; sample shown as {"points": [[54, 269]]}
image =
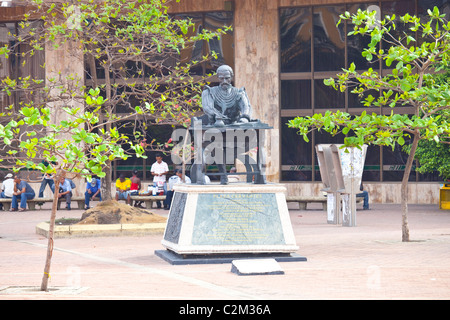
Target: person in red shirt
{"points": [[135, 187]]}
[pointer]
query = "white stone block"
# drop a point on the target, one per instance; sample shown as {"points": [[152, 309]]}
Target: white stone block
{"points": [[256, 267]]}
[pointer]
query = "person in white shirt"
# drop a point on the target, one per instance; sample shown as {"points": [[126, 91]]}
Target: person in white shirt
{"points": [[7, 188], [159, 170], [173, 180]]}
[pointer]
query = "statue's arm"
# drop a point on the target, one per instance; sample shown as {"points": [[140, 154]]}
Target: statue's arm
{"points": [[208, 104]]}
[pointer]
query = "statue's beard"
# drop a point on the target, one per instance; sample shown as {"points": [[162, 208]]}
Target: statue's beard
{"points": [[225, 86]]}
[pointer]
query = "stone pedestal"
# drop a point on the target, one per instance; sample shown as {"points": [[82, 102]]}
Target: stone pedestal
{"points": [[230, 219]]}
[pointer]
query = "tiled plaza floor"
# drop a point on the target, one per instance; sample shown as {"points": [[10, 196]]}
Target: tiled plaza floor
{"points": [[366, 262]]}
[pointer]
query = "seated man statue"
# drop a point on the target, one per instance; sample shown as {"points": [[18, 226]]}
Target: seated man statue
{"points": [[225, 104]]}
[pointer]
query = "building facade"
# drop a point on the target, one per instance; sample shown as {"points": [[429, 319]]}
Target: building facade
{"points": [[281, 51]]}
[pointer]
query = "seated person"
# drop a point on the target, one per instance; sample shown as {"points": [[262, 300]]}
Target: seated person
{"points": [[65, 190], [136, 187], [22, 191], [365, 195], [173, 180], [92, 190], [47, 179], [123, 186], [7, 188]]}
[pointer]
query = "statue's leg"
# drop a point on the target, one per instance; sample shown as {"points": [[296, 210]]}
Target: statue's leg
{"points": [[223, 170], [197, 171], [248, 168], [260, 177]]}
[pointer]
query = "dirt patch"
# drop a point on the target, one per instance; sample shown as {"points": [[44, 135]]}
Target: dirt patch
{"points": [[113, 212]]}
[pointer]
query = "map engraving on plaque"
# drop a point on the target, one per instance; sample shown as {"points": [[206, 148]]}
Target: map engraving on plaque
{"points": [[237, 219]]}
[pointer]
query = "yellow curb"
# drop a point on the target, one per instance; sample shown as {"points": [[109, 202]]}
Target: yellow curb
{"points": [[97, 230]]}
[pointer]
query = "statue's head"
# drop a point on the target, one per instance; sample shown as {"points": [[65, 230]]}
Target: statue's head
{"points": [[225, 75]]}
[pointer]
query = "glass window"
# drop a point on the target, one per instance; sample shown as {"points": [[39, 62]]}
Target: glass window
{"points": [[327, 97], [296, 161], [23, 61], [6, 64], [357, 101], [295, 39], [296, 94], [424, 5], [332, 50], [223, 47], [394, 162], [356, 43], [372, 164], [329, 39], [399, 8]]}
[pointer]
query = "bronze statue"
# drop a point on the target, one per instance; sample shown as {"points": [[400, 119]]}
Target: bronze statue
{"points": [[225, 104], [227, 110]]}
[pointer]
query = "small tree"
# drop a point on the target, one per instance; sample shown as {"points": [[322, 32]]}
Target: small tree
{"points": [[415, 57], [434, 156], [137, 46], [134, 52], [84, 153]]}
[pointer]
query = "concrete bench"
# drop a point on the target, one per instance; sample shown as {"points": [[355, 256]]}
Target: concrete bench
{"points": [[304, 200], [30, 203], [148, 200], [40, 202]]}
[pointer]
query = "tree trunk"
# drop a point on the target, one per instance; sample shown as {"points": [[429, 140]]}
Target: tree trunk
{"points": [[44, 284], [107, 182], [404, 188]]}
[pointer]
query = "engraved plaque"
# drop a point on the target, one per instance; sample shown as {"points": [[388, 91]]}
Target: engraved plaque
{"points": [[237, 219]]}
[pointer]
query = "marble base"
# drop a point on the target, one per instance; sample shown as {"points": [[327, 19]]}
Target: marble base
{"points": [[235, 218], [187, 259]]}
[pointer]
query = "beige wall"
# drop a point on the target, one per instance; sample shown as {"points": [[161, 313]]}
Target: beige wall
{"points": [[64, 64], [256, 30], [419, 193], [385, 192], [257, 69]]}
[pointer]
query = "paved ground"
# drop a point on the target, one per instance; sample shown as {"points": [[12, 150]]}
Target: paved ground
{"points": [[364, 262]]}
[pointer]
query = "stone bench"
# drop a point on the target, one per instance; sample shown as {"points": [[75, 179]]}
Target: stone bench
{"points": [[40, 201], [148, 200], [304, 200]]}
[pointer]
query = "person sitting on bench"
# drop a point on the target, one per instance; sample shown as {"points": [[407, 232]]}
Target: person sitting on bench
{"points": [[22, 191]]}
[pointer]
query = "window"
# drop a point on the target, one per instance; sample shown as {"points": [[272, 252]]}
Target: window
{"points": [[223, 48], [20, 64], [313, 48]]}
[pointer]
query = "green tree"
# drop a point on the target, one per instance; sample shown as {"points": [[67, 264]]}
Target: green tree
{"points": [[138, 50], [414, 56], [434, 156], [137, 46]]}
